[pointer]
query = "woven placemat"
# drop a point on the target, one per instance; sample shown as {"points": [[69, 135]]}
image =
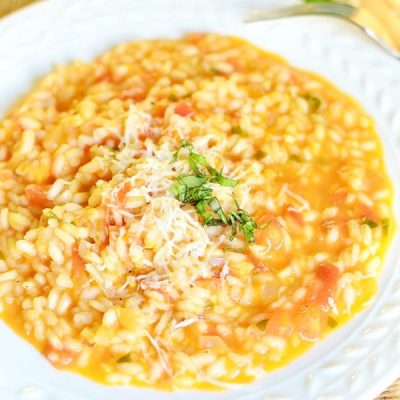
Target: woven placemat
{"points": [[7, 6]]}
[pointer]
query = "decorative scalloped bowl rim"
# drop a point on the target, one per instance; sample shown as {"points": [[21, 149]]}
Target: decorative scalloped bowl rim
{"points": [[357, 361]]}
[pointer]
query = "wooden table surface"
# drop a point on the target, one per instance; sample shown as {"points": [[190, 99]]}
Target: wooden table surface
{"points": [[7, 6]]}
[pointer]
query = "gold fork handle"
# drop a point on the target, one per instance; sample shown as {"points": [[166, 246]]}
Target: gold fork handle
{"points": [[375, 17], [8, 6], [383, 18]]}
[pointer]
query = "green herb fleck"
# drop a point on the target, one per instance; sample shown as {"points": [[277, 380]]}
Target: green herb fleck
{"points": [[124, 359], [48, 213], [314, 103], [385, 226], [372, 224], [260, 154], [332, 323], [294, 158], [209, 304], [262, 324], [237, 130]]}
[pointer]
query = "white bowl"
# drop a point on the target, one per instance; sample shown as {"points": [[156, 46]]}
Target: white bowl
{"points": [[358, 361]]}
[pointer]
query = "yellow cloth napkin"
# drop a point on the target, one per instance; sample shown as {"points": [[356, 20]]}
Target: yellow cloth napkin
{"points": [[6, 6]]}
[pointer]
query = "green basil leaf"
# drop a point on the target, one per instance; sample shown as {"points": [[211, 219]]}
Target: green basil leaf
{"points": [[191, 181], [262, 324], [294, 158], [124, 359], [237, 130], [314, 103], [372, 224], [260, 155], [195, 161], [216, 207], [332, 323], [385, 226]]}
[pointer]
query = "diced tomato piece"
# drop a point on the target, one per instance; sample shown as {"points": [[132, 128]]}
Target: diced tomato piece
{"points": [[60, 358], [264, 216], [121, 195], [271, 233], [235, 64], [184, 109], [296, 216], [295, 78], [217, 262], [259, 264], [194, 37], [367, 212], [212, 284], [78, 264], [328, 274], [37, 195], [159, 111], [325, 288], [6, 174], [309, 320], [280, 324], [135, 94], [339, 197], [104, 76]]}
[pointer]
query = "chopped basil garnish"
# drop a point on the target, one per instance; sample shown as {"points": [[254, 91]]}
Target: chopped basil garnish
{"points": [[190, 188], [217, 177], [194, 189]]}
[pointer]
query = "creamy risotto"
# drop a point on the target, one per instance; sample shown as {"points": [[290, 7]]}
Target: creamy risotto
{"points": [[187, 213]]}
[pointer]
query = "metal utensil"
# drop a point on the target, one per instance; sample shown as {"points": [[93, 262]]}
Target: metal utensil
{"points": [[379, 19]]}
